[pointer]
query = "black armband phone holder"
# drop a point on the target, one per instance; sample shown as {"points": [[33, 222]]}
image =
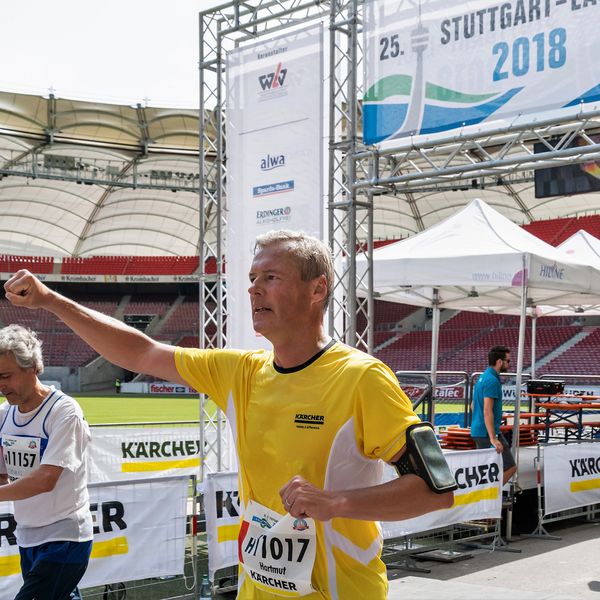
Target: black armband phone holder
{"points": [[424, 457]]}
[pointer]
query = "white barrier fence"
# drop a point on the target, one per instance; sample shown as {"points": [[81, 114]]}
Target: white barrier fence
{"points": [[139, 532], [477, 472], [139, 487], [571, 476]]}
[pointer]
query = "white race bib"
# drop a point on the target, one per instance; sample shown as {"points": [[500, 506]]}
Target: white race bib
{"points": [[21, 455], [277, 552]]}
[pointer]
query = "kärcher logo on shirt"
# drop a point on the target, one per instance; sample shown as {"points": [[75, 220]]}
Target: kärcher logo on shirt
{"points": [[308, 421]]}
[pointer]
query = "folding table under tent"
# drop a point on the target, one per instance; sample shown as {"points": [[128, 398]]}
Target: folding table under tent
{"points": [[478, 260]]}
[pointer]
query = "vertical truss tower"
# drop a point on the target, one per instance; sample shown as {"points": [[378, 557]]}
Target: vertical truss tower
{"points": [[350, 211]]}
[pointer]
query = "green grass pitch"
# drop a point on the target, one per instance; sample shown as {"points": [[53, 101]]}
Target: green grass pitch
{"points": [[126, 408], [137, 409]]}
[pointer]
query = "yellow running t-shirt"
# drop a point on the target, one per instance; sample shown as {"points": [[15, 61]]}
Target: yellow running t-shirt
{"points": [[330, 421]]}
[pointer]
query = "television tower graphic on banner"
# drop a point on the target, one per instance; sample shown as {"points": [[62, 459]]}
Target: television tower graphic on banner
{"points": [[409, 97], [419, 39]]}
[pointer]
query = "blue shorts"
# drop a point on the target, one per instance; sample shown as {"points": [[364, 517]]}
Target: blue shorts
{"points": [[52, 570]]}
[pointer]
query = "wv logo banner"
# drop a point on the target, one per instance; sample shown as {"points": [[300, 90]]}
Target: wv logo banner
{"points": [[272, 81]]}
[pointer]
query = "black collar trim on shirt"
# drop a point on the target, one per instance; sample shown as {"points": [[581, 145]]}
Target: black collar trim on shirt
{"points": [[310, 361]]}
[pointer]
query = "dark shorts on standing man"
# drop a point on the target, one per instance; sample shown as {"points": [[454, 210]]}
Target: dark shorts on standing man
{"points": [[508, 460], [52, 570]]}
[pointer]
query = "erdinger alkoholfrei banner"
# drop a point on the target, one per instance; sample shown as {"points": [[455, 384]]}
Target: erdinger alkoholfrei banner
{"points": [[571, 476], [478, 474], [435, 65], [139, 532], [274, 156]]}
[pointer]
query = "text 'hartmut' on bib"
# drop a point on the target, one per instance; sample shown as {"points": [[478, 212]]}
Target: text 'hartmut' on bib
{"points": [[277, 552]]}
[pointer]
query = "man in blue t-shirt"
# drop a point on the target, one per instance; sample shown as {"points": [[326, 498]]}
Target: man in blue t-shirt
{"points": [[487, 409]]}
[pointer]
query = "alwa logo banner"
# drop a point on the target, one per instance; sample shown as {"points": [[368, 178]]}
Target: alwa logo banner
{"points": [[434, 65]]}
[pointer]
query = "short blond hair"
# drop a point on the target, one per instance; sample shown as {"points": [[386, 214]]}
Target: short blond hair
{"points": [[313, 256]]}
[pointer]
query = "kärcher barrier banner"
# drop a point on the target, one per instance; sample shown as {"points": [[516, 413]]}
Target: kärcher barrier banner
{"points": [[139, 532], [571, 476]]}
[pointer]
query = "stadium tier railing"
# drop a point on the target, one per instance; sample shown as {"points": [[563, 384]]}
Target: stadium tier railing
{"points": [[36, 264], [130, 265]]}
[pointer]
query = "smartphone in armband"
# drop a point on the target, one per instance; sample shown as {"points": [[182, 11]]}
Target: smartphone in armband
{"points": [[424, 457]]}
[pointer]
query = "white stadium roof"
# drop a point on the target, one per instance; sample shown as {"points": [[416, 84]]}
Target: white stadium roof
{"points": [[84, 178]]}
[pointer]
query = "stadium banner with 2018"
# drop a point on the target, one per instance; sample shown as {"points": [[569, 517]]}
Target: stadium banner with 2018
{"points": [[274, 156], [434, 65]]}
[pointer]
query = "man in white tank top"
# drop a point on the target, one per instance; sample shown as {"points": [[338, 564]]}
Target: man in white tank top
{"points": [[43, 442]]}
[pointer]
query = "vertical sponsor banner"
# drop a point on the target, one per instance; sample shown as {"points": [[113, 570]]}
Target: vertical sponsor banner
{"points": [[126, 453], [478, 474], [274, 156], [435, 65], [571, 476], [139, 532], [222, 510]]}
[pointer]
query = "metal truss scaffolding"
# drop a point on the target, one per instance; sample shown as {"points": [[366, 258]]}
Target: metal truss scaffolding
{"points": [[357, 176], [350, 213]]}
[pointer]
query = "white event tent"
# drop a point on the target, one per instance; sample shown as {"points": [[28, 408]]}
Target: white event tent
{"points": [[584, 248], [479, 260]]}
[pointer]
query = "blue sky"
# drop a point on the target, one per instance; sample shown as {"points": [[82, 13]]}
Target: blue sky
{"points": [[122, 51]]}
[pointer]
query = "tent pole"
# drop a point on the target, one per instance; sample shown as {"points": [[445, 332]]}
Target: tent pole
{"points": [[435, 333], [520, 352], [517, 412], [533, 340]]}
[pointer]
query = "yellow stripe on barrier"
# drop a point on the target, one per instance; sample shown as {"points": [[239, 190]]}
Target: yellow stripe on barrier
{"points": [[490, 493], [112, 547], [582, 486], [10, 565], [228, 533], [140, 467]]}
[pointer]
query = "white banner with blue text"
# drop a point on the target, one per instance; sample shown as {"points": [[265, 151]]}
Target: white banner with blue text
{"points": [[274, 156], [435, 65]]}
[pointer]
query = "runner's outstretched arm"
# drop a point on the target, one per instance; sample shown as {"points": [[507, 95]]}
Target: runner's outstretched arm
{"points": [[120, 344]]}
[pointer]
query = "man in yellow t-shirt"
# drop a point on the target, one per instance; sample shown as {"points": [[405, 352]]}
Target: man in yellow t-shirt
{"points": [[313, 419]]}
